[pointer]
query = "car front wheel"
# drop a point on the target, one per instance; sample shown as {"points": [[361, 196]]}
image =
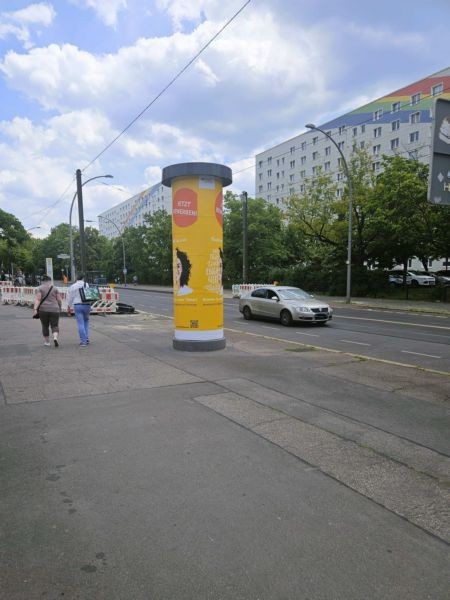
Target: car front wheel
{"points": [[247, 313], [286, 318]]}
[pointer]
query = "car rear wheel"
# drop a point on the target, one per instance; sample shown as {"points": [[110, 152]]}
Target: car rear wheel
{"points": [[414, 283], [247, 313], [286, 318]]}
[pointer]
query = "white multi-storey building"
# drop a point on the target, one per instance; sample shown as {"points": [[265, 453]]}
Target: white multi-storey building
{"points": [[399, 123], [131, 212]]}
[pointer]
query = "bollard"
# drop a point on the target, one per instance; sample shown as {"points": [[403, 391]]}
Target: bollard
{"points": [[197, 245]]}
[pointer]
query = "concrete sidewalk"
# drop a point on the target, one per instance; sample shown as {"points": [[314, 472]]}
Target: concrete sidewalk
{"points": [[131, 471]]}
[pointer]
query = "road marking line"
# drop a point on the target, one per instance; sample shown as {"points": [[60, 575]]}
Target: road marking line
{"points": [[351, 354], [352, 342], [392, 322], [309, 334], [420, 354]]}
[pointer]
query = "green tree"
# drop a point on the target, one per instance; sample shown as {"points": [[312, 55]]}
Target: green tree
{"points": [[267, 250], [12, 236], [403, 221]]}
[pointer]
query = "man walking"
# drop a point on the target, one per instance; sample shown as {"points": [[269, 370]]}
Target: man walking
{"points": [[81, 309]]}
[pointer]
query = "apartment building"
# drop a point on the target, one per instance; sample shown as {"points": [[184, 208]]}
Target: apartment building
{"points": [[398, 123], [131, 212]]}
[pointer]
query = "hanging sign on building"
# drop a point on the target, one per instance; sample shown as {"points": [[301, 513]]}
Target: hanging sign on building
{"points": [[439, 183]]}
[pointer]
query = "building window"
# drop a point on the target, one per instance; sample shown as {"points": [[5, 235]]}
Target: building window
{"points": [[303, 160], [291, 178], [314, 170], [269, 185], [278, 162], [395, 107], [328, 151], [412, 154], [414, 118], [355, 131], [278, 175], [378, 114], [437, 89], [269, 160], [394, 143], [260, 188], [340, 176], [292, 149], [377, 132], [341, 129], [302, 189], [282, 161], [292, 164], [269, 173], [315, 155], [341, 145], [260, 176], [339, 193], [269, 198], [376, 166], [415, 98], [260, 164], [278, 188], [395, 125], [327, 166], [376, 150], [291, 191], [315, 139], [414, 137], [362, 145], [302, 174], [363, 129], [303, 146], [340, 163]]}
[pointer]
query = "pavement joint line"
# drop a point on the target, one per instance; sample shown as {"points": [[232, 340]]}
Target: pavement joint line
{"points": [[335, 413], [351, 354], [338, 477]]}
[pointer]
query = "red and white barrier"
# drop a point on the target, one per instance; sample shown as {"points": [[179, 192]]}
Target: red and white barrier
{"points": [[240, 289], [24, 296]]}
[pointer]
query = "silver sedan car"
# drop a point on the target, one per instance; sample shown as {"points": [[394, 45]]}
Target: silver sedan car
{"points": [[285, 303]]}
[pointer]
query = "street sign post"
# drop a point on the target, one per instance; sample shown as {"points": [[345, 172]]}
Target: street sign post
{"points": [[439, 183]]}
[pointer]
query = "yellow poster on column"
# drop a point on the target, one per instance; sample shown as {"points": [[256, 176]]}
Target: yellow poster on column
{"points": [[197, 236]]}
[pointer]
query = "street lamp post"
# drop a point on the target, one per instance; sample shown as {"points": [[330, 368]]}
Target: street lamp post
{"points": [[79, 193], [123, 246], [244, 198], [350, 211]]}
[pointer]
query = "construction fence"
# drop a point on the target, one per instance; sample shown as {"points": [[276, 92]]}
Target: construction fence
{"points": [[24, 296]]}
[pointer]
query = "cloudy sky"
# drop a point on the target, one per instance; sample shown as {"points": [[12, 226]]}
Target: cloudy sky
{"points": [[75, 73]]}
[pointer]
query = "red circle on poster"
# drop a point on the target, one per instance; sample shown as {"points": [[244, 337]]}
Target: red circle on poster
{"points": [[218, 208], [184, 207]]}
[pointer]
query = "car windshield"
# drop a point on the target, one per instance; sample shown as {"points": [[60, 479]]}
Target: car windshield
{"points": [[293, 294]]}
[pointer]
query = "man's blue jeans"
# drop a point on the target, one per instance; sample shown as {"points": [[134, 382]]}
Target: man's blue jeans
{"points": [[82, 312]]}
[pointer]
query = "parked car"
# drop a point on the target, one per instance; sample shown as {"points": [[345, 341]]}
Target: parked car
{"points": [[286, 304], [396, 278], [421, 278], [442, 277]]}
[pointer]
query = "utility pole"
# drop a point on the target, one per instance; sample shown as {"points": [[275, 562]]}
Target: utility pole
{"points": [[81, 221], [244, 198]]}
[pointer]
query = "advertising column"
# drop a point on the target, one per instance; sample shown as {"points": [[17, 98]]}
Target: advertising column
{"points": [[197, 247]]}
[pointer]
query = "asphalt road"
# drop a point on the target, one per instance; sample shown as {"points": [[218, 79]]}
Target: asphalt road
{"points": [[420, 340]]}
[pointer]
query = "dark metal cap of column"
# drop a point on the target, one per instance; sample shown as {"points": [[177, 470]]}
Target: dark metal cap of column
{"points": [[197, 169]]}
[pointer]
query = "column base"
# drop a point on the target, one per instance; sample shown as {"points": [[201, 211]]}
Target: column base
{"points": [[199, 345]]}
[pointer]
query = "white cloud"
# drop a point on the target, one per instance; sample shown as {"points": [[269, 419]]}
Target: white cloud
{"points": [[18, 23], [107, 10]]}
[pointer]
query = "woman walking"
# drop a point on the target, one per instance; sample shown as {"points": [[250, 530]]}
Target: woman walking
{"points": [[47, 305], [81, 309]]}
